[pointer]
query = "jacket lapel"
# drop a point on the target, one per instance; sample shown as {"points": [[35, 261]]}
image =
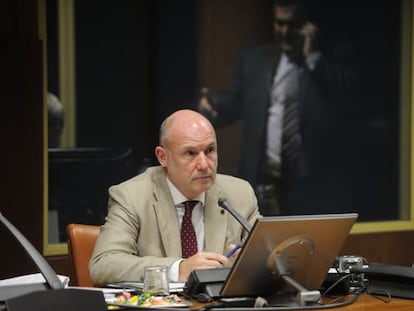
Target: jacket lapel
{"points": [[215, 222], [166, 215]]}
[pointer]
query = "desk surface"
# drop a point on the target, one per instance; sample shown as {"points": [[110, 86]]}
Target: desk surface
{"points": [[367, 302], [370, 303], [363, 303]]}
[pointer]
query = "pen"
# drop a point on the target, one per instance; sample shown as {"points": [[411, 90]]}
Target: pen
{"points": [[231, 253]]}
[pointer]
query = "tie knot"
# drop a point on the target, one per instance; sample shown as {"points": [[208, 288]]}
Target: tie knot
{"points": [[189, 205]]}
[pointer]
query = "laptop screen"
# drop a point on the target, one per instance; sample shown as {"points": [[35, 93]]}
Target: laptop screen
{"points": [[301, 247]]}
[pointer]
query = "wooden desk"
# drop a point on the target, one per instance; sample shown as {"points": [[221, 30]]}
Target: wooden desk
{"points": [[365, 302], [370, 303]]}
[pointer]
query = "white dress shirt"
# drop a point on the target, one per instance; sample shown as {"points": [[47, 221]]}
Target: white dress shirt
{"points": [[281, 82], [285, 84]]}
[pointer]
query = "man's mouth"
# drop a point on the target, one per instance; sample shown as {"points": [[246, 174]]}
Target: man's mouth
{"points": [[203, 178]]}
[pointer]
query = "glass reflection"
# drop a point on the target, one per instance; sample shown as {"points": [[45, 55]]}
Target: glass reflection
{"points": [[149, 59]]}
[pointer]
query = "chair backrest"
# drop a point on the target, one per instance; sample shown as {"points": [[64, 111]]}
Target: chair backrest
{"points": [[81, 242]]}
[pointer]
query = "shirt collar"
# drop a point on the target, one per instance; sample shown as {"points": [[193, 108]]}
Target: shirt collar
{"points": [[179, 198]]}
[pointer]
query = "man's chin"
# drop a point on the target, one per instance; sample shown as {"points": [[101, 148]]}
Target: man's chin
{"points": [[203, 184], [287, 49]]}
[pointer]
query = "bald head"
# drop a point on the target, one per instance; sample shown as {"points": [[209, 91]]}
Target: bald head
{"points": [[188, 152], [183, 121]]}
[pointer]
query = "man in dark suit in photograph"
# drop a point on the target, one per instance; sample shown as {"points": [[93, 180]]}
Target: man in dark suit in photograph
{"points": [[289, 97]]}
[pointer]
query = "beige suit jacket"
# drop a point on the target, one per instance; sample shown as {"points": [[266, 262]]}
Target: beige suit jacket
{"points": [[142, 227]]}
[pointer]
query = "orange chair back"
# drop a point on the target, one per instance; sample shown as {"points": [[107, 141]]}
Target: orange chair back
{"points": [[81, 242]]}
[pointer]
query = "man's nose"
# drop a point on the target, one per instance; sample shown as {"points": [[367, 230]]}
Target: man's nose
{"points": [[202, 161]]}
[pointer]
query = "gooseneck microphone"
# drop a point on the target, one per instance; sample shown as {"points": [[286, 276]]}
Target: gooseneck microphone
{"points": [[222, 202], [48, 273], [51, 295]]}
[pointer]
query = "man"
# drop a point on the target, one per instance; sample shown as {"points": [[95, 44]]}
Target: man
{"points": [[289, 96], [145, 213]]}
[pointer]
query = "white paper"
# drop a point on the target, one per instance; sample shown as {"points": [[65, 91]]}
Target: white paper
{"points": [[33, 278]]}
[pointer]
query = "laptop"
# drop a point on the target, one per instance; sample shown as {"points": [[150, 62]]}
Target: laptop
{"points": [[300, 247]]}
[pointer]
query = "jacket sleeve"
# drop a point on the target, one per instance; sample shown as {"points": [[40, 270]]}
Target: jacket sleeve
{"points": [[117, 256]]}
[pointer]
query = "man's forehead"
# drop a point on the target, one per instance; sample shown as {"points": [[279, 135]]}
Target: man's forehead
{"points": [[295, 12], [285, 11], [190, 131], [193, 142]]}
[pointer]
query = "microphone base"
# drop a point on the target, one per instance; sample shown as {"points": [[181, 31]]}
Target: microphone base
{"points": [[208, 281], [58, 299]]}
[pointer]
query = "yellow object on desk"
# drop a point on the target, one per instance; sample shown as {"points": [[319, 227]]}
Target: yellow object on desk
{"points": [[147, 300]]}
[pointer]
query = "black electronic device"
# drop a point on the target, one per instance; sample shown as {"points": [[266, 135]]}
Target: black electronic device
{"points": [[203, 284], [336, 283], [48, 296], [384, 279], [206, 281]]}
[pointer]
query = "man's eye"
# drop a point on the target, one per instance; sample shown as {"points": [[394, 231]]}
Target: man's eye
{"points": [[210, 150]]}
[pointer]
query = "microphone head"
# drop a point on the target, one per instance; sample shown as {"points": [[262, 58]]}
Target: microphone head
{"points": [[222, 202]]}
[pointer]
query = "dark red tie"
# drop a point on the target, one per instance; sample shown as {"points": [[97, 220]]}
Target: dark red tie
{"points": [[188, 236]]}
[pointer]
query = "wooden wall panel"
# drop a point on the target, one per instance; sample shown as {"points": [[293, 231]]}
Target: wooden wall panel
{"points": [[388, 247], [226, 28], [62, 266]]}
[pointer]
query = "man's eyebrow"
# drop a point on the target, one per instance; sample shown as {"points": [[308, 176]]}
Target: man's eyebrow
{"points": [[193, 147], [212, 144]]}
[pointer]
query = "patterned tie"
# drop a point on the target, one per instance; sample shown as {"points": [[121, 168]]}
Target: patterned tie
{"points": [[188, 236], [291, 138]]}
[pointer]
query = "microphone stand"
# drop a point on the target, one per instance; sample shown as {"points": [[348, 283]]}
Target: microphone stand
{"points": [[244, 223]]}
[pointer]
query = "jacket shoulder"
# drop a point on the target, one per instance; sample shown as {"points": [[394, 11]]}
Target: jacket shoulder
{"points": [[227, 181], [143, 182], [268, 49]]}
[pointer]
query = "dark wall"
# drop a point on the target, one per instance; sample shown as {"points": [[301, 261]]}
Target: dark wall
{"points": [[112, 72], [21, 135], [177, 56], [135, 64]]}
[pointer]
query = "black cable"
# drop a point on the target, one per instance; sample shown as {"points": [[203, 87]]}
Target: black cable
{"points": [[346, 276], [379, 293], [199, 297], [279, 308]]}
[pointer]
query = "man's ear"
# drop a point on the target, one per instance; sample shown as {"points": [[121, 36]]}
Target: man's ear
{"points": [[161, 155]]}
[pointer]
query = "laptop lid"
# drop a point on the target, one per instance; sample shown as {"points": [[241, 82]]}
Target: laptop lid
{"points": [[302, 247]]}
